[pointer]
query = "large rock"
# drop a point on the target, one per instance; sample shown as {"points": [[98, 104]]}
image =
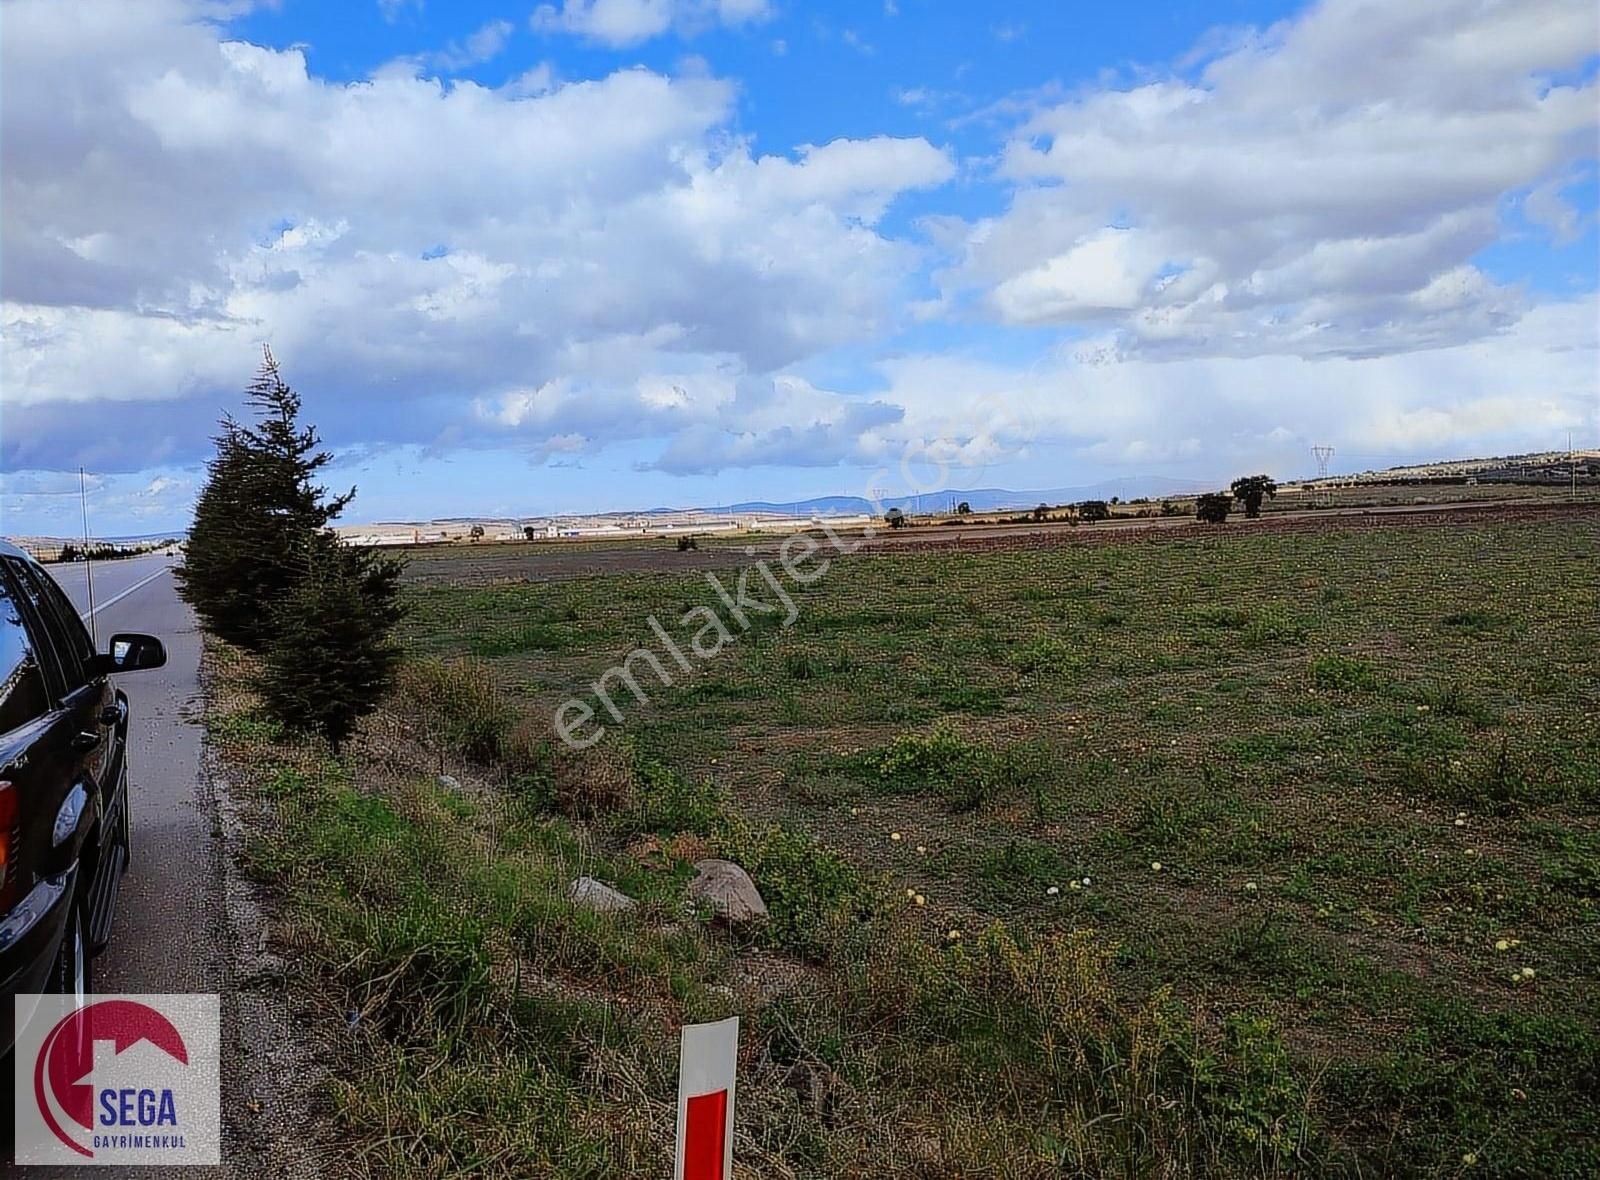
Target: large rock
{"points": [[727, 889], [598, 896]]}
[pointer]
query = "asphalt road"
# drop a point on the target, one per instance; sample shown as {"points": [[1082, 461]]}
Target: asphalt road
{"points": [[170, 921], [171, 926]]}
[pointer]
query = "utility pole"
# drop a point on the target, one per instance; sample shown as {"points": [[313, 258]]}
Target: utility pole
{"points": [[1323, 455], [88, 562]]}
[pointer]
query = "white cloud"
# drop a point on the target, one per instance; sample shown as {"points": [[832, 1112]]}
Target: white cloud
{"points": [[855, 41], [405, 243], [1105, 271], [713, 420], [484, 44], [1071, 412], [1321, 189], [392, 9], [1546, 206], [629, 22], [1521, 390], [559, 266]]}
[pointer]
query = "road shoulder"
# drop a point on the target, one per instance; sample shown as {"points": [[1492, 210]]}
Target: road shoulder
{"points": [[274, 1097]]}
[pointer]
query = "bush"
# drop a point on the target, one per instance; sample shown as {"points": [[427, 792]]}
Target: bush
{"points": [[965, 774], [1344, 673], [594, 784], [812, 893], [1213, 507], [329, 659], [459, 707], [667, 803]]}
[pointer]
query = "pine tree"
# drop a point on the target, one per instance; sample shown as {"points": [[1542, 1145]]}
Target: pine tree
{"points": [[256, 514], [262, 570], [329, 659]]}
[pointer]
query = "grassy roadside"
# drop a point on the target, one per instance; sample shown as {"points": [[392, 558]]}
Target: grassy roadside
{"points": [[1350, 1014], [480, 1024]]}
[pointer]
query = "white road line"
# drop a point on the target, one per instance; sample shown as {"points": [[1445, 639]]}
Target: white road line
{"points": [[112, 601]]}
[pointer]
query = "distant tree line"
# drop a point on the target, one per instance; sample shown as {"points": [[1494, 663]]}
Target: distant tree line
{"points": [[107, 550], [1211, 507], [263, 570]]}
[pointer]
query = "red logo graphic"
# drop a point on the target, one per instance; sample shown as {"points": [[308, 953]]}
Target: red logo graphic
{"points": [[61, 1084]]}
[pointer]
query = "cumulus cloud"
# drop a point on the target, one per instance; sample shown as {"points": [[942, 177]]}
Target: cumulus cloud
{"points": [[712, 420], [557, 266], [404, 243], [1321, 187], [620, 23], [1520, 390]]}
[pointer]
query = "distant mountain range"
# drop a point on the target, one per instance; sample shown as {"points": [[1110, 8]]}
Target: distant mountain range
{"points": [[981, 499]]}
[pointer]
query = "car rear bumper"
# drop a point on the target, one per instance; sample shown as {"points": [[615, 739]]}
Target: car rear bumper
{"points": [[30, 935]]}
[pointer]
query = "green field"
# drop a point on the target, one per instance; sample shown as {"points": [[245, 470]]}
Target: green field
{"points": [[1365, 759]]}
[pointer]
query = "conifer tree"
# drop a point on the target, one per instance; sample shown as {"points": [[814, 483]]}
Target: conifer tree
{"points": [[263, 570], [255, 514], [329, 658]]}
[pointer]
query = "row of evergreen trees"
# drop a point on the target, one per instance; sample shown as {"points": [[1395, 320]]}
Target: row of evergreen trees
{"points": [[263, 571]]}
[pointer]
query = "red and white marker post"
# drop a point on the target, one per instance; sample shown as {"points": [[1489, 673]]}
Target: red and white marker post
{"points": [[706, 1066]]}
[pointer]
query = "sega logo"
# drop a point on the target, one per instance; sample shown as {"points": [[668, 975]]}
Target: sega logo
{"points": [[137, 1108], [117, 1079]]}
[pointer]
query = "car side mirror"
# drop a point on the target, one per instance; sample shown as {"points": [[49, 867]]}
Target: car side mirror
{"points": [[132, 652]]}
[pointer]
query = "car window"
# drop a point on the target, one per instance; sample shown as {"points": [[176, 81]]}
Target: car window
{"points": [[73, 644], [23, 692], [37, 618]]}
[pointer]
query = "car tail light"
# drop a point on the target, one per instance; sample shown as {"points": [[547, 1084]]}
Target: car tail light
{"points": [[10, 883]]}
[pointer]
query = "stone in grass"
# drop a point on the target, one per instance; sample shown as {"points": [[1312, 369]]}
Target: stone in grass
{"points": [[449, 782], [728, 890], [598, 896]]}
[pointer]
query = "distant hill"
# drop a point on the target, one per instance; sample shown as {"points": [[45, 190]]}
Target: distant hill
{"points": [[981, 499], [1537, 467], [49, 542]]}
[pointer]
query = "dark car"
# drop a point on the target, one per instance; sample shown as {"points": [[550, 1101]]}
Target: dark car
{"points": [[63, 784]]}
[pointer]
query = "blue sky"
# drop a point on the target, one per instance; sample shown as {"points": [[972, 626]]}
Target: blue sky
{"points": [[614, 253]]}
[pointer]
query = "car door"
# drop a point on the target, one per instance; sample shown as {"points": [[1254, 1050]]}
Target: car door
{"points": [[38, 763], [100, 707], [76, 740]]}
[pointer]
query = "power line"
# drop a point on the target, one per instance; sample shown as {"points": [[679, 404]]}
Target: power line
{"points": [[1323, 455]]}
